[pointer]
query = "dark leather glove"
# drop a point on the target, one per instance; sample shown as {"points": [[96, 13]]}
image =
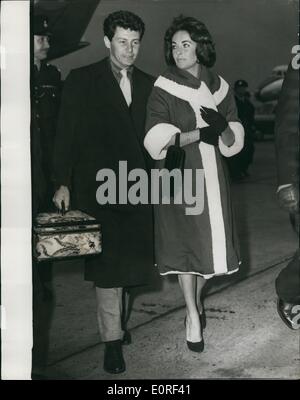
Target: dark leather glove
{"points": [[214, 119], [288, 198], [209, 135]]}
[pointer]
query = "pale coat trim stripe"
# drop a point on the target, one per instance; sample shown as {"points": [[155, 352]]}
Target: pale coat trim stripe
{"points": [[206, 276], [220, 94], [215, 211], [157, 138], [186, 93], [239, 134]]}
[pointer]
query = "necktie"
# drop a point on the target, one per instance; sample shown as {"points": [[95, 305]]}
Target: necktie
{"points": [[125, 86]]}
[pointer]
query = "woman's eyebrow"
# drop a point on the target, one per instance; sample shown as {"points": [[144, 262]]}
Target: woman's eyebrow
{"points": [[183, 41]]}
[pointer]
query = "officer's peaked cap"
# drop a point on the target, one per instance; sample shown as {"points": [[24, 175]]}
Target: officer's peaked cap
{"points": [[40, 25]]}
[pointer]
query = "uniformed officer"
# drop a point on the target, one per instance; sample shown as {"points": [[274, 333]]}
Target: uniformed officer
{"points": [[45, 95], [46, 88], [238, 164]]}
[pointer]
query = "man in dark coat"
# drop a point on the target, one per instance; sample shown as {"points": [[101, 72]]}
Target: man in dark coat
{"points": [[287, 149], [45, 95], [102, 122]]}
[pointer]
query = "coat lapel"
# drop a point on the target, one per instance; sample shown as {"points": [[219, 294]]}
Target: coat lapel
{"points": [[107, 92], [108, 89]]}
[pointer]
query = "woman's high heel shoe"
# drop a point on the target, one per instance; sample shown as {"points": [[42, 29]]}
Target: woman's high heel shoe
{"points": [[197, 347]]}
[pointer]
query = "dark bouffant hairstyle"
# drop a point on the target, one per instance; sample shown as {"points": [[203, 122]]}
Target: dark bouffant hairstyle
{"points": [[205, 50], [123, 19]]}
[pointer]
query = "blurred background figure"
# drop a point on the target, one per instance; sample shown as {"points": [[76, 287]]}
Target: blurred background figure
{"points": [[265, 101], [287, 151], [45, 95], [239, 164]]}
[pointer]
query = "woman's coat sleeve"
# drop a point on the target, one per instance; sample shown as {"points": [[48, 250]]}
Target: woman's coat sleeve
{"points": [[228, 108], [159, 130]]}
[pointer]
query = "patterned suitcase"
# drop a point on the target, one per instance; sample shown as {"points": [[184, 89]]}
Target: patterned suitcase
{"points": [[58, 237]]}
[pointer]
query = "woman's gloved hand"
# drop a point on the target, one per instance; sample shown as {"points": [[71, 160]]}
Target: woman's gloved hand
{"points": [[214, 119], [209, 135]]}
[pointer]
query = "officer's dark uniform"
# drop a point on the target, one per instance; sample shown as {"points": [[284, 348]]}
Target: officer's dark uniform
{"points": [[45, 98], [46, 90]]}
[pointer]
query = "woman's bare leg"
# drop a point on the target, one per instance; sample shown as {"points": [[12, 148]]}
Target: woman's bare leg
{"points": [[187, 283]]}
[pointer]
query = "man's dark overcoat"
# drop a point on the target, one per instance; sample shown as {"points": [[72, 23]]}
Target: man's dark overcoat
{"points": [[287, 152], [287, 129], [96, 130]]}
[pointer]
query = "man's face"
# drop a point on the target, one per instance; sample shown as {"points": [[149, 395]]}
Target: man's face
{"points": [[124, 47], [41, 47]]}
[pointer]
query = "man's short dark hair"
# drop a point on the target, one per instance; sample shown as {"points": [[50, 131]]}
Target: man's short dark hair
{"points": [[123, 19], [198, 32]]}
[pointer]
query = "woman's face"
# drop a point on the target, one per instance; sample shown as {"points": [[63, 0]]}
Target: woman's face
{"points": [[184, 51]]}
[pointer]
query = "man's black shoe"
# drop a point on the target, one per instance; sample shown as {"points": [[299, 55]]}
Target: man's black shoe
{"points": [[289, 313], [113, 357]]}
